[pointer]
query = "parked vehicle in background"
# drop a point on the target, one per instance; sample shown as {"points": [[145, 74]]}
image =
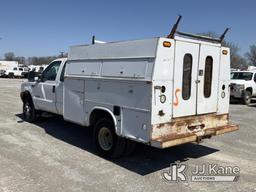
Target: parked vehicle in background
{"points": [[7, 65], [251, 68], [17, 72], [37, 68], [243, 86], [161, 92]]}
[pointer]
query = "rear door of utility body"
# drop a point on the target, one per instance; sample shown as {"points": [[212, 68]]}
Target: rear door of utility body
{"points": [[196, 69]]}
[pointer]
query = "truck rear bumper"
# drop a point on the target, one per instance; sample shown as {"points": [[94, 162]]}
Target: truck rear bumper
{"points": [[178, 139]]}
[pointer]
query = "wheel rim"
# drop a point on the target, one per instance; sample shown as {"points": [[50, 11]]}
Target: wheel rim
{"points": [[27, 110], [105, 139], [248, 98]]}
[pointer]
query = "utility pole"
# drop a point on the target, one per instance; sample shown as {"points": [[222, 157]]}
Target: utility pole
{"points": [[0, 39], [61, 54]]}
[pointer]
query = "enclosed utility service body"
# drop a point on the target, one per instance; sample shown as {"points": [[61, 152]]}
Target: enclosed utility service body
{"points": [[161, 91]]}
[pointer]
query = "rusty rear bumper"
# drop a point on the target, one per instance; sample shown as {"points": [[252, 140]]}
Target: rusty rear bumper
{"points": [[178, 139]]}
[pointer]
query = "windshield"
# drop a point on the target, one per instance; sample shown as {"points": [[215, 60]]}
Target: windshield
{"points": [[242, 75]]}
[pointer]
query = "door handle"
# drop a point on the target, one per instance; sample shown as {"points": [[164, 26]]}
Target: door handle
{"points": [[53, 88]]}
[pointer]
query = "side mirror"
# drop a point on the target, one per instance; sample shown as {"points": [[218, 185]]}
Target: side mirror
{"points": [[36, 79]]}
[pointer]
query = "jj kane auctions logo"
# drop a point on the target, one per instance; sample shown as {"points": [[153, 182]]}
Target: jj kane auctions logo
{"points": [[202, 173]]}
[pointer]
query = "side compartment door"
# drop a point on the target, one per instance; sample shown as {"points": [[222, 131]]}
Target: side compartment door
{"points": [[208, 77], [185, 77]]}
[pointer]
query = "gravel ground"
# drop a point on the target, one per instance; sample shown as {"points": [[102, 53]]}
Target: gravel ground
{"points": [[53, 155]]}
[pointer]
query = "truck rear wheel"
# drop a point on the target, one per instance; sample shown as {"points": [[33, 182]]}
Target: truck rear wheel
{"points": [[108, 144], [29, 111], [247, 97], [11, 75]]}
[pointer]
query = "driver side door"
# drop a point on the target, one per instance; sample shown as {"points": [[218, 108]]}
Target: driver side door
{"points": [[44, 96]]}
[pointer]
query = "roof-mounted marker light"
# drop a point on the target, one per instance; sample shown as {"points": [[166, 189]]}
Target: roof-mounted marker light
{"points": [[225, 52], [167, 44]]}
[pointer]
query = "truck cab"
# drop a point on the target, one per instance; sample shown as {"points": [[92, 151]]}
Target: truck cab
{"points": [[44, 93]]}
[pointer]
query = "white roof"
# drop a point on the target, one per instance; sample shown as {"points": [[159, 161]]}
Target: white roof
{"points": [[145, 48]]}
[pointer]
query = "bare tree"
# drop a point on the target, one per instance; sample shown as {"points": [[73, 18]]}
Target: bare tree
{"points": [[21, 60], [10, 56], [237, 61], [251, 55], [41, 60]]}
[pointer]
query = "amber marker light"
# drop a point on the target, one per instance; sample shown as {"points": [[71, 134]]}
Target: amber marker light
{"points": [[167, 44], [225, 52]]}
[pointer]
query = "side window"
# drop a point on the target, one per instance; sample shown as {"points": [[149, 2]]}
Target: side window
{"points": [[20, 69], [186, 79], [63, 72], [208, 76], [254, 77], [51, 71], [15, 68]]}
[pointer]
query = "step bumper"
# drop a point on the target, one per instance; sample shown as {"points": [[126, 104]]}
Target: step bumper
{"points": [[178, 139]]}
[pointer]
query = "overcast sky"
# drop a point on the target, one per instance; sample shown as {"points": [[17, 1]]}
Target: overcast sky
{"points": [[46, 27]]}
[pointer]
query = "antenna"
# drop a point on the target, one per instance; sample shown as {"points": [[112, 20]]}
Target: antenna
{"points": [[61, 54], [174, 28]]}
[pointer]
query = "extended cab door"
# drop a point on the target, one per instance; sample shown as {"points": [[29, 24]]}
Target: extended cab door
{"points": [[44, 95]]}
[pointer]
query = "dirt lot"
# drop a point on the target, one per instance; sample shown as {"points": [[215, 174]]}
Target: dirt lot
{"points": [[53, 155]]}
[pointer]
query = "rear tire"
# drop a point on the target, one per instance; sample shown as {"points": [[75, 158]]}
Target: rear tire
{"points": [[247, 98], [29, 111], [11, 75], [108, 144]]}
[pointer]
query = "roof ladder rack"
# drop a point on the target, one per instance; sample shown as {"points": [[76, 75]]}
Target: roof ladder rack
{"points": [[175, 27]]}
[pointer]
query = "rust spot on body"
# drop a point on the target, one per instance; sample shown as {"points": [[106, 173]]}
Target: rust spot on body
{"points": [[190, 124]]}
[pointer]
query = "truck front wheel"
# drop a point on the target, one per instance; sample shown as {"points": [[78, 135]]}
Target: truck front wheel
{"points": [[247, 97], [29, 112], [108, 144]]}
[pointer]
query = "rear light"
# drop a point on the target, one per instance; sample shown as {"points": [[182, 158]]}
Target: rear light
{"points": [[225, 52]]}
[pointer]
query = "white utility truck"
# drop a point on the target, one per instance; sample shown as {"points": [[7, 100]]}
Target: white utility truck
{"points": [[161, 91], [243, 86], [16, 72], [7, 65]]}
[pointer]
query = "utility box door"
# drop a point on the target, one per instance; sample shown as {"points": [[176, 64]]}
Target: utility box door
{"points": [[208, 79], [185, 78]]}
